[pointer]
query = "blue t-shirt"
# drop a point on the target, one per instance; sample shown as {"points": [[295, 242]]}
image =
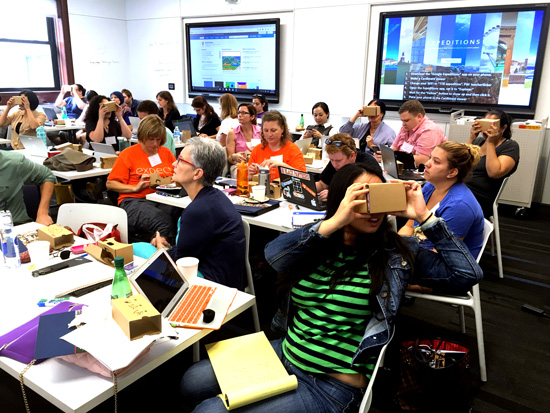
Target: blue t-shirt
{"points": [[461, 213], [73, 111]]}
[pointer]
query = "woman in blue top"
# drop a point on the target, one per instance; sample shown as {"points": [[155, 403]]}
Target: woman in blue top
{"points": [[345, 276], [448, 197]]}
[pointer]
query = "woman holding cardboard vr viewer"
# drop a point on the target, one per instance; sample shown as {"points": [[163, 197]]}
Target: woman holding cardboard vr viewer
{"points": [[26, 120], [345, 278], [499, 157], [105, 122]]}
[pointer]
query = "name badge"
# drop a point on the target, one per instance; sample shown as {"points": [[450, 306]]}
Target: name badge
{"points": [[277, 158], [154, 160], [406, 147], [111, 140]]}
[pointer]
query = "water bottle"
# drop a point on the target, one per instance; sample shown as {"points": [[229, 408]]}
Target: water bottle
{"points": [[242, 180], [41, 133], [121, 286], [10, 242], [177, 135], [302, 121]]}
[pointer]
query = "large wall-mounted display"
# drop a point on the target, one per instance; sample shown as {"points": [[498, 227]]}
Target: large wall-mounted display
{"points": [[238, 57], [473, 58]]}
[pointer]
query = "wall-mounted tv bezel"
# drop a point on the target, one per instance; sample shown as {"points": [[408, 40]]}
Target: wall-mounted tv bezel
{"points": [[272, 95], [450, 105]]}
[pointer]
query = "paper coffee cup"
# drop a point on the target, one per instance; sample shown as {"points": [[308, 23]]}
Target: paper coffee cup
{"points": [[258, 192], [189, 267], [39, 252]]}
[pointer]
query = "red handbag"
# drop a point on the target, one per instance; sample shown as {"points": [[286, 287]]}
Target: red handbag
{"points": [[99, 232]]}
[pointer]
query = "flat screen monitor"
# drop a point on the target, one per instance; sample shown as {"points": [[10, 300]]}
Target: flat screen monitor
{"points": [[475, 58], [237, 57]]}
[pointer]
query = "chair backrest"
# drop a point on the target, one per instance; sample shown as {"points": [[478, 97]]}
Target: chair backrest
{"points": [[499, 193], [249, 279], [76, 214], [487, 230], [367, 397]]}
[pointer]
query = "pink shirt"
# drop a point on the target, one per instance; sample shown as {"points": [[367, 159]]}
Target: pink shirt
{"points": [[424, 138], [240, 141]]}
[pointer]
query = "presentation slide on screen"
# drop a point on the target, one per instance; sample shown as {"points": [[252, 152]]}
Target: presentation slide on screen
{"points": [[230, 59], [486, 58]]}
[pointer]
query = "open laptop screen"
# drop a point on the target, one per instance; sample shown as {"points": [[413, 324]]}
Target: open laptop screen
{"points": [[159, 280]]}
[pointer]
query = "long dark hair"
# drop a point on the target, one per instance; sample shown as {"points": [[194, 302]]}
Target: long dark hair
{"points": [[374, 248], [505, 120], [201, 102], [92, 114]]}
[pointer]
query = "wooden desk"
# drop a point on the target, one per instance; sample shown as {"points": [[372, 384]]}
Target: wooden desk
{"points": [[67, 386]]}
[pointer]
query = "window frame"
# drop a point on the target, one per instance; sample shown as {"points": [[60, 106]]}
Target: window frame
{"points": [[52, 42]]}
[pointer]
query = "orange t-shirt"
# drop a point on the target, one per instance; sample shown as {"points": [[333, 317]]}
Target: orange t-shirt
{"points": [[292, 156], [133, 162]]}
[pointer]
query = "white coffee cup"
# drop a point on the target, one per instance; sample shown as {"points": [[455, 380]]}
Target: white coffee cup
{"points": [[189, 267], [39, 251], [258, 192]]}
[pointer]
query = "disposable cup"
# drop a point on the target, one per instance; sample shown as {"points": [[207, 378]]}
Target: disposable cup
{"points": [[258, 192], [188, 267], [39, 251]]}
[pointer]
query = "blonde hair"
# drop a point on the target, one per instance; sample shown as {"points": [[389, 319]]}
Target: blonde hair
{"points": [[276, 116], [462, 156], [152, 126], [347, 149], [229, 106]]}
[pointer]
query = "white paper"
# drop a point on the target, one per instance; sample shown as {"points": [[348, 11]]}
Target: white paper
{"points": [[107, 343], [154, 160], [111, 140], [406, 147], [277, 158]]}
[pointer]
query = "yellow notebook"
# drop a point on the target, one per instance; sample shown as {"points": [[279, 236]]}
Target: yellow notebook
{"points": [[248, 370]]}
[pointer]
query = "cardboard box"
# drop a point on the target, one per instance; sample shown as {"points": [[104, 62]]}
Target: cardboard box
{"points": [[136, 316], [59, 121], [185, 135], [155, 180], [309, 159], [316, 152], [16, 100], [106, 251], [487, 123], [274, 190], [107, 162], [386, 197], [73, 146], [371, 110], [111, 106], [56, 235]]}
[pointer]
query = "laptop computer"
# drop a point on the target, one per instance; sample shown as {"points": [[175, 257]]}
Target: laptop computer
{"points": [[161, 282], [186, 124], [134, 121], [389, 160], [34, 146], [304, 144], [298, 187]]}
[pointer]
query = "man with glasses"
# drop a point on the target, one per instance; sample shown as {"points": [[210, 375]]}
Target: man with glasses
{"points": [[341, 151], [210, 228]]}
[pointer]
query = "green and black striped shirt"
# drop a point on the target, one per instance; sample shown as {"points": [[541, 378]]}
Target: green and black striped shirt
{"points": [[328, 325]]}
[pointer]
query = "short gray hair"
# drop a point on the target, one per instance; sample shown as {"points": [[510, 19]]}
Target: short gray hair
{"points": [[208, 155]]}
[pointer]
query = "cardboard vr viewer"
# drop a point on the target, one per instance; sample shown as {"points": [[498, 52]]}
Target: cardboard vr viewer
{"points": [[386, 197]]}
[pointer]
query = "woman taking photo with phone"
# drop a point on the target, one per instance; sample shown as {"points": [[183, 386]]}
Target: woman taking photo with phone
{"points": [[344, 279]]}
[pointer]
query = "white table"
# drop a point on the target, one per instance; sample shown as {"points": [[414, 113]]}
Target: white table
{"points": [[71, 175], [135, 140], [278, 219], [67, 386], [72, 126]]}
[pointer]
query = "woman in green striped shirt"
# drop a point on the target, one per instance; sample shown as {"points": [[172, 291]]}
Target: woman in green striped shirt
{"points": [[345, 276]]}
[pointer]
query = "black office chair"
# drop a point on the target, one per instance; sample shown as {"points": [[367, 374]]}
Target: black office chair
{"points": [[31, 197]]}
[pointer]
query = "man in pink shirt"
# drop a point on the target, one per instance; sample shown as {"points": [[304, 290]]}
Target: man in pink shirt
{"points": [[419, 134]]}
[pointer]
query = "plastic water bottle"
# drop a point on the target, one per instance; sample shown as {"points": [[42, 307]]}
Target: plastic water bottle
{"points": [[177, 134], [121, 286], [64, 113], [41, 133], [302, 121], [10, 242]]}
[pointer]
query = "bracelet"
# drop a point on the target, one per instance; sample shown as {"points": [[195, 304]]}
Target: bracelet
{"points": [[427, 219]]}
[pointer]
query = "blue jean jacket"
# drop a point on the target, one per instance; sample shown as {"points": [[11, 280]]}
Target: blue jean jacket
{"points": [[451, 270]]}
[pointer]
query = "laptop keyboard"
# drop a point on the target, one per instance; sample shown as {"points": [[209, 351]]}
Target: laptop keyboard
{"points": [[190, 308]]}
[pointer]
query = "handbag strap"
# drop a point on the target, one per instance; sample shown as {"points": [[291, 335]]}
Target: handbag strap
{"points": [[22, 382]]}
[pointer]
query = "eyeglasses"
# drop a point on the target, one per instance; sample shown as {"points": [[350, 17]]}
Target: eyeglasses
{"points": [[184, 161], [243, 113], [338, 144]]}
